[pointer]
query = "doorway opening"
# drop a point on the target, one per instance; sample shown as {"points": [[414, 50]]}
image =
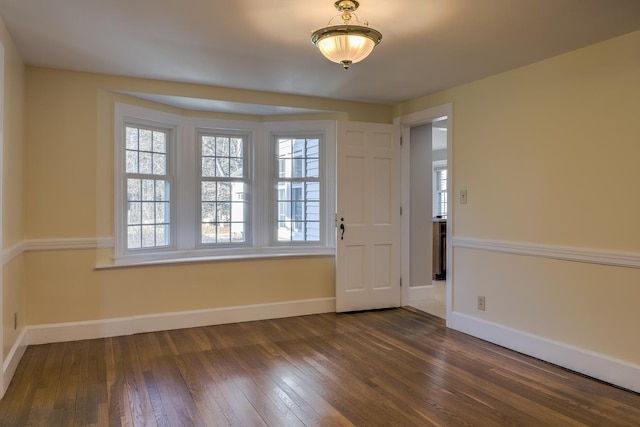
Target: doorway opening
{"points": [[427, 211]]}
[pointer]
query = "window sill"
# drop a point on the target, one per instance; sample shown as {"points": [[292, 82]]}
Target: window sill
{"points": [[191, 258]]}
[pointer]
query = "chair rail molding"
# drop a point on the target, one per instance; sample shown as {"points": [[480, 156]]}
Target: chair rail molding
{"points": [[591, 256]]}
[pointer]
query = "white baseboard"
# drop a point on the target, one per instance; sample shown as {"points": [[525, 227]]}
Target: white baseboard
{"points": [[13, 358], [75, 331], [595, 365]]}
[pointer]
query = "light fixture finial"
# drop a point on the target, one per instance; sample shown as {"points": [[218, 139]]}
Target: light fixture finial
{"points": [[347, 43]]}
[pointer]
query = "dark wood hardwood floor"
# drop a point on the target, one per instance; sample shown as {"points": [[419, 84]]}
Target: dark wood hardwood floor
{"points": [[381, 368]]}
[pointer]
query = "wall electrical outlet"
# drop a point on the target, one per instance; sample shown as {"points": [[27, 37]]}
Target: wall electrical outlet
{"points": [[463, 197], [481, 303]]}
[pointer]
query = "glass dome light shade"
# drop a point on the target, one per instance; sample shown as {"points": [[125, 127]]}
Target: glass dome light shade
{"points": [[346, 44]]}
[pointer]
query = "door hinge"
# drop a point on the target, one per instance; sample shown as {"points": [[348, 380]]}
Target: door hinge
{"points": [[401, 282], [400, 210], [401, 141]]}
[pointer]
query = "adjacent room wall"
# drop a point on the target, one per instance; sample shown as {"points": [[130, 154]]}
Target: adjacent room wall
{"points": [[549, 154]]}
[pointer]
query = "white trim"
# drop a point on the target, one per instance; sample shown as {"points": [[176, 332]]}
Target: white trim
{"points": [[406, 122], [13, 359], [595, 365], [3, 382], [62, 332], [189, 257], [12, 252], [564, 253], [67, 244]]}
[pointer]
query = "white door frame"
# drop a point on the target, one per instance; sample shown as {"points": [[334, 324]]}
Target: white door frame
{"points": [[406, 122], [3, 380]]}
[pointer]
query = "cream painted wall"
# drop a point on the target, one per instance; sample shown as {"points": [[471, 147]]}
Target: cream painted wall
{"points": [[69, 160], [13, 162], [549, 155], [13, 280], [64, 287]]}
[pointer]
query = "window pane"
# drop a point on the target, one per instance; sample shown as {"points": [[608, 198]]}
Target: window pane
{"points": [[312, 211], [208, 212], [145, 140], [144, 164], [284, 211], [236, 148], [208, 146], [133, 189], [222, 167], [208, 191], [235, 168], [134, 237], [148, 213], [159, 164], [161, 190], [313, 168], [284, 231], [131, 161], [162, 235], [208, 167], [134, 213], [224, 191], [159, 142], [162, 213], [313, 191], [148, 190], [237, 232], [222, 146], [131, 138], [223, 212], [208, 233], [148, 236]]}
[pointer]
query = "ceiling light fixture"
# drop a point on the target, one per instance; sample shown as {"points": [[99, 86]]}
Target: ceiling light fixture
{"points": [[347, 43]]}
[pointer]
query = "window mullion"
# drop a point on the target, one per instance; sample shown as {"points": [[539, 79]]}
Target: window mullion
{"points": [[261, 190], [186, 171]]}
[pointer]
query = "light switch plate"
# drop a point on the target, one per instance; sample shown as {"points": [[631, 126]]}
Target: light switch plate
{"points": [[463, 197]]}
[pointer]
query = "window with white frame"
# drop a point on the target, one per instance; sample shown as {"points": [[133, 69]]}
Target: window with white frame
{"points": [[298, 188], [440, 190], [148, 176], [190, 187], [224, 181]]}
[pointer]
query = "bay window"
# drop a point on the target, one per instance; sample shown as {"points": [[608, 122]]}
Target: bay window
{"points": [[192, 187]]}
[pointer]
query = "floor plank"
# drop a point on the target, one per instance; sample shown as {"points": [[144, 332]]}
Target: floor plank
{"points": [[395, 367]]}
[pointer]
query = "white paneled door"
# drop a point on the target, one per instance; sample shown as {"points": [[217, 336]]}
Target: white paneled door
{"points": [[368, 241]]}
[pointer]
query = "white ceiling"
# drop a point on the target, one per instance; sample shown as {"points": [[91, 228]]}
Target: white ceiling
{"points": [[427, 45]]}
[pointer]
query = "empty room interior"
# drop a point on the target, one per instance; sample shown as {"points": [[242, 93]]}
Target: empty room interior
{"points": [[417, 212]]}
